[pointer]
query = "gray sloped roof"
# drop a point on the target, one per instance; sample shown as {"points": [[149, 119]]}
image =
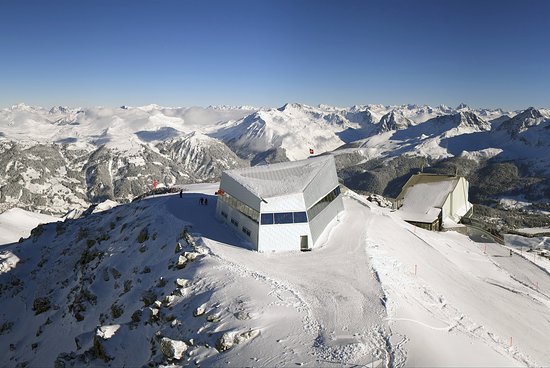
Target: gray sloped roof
{"points": [[281, 178], [424, 195]]}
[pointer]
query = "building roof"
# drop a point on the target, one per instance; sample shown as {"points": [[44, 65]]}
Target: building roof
{"points": [[281, 178], [423, 196]]}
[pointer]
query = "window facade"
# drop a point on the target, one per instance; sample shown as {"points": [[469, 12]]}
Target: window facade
{"points": [[300, 217], [234, 222], [246, 231], [318, 207], [267, 218], [240, 206], [224, 214], [283, 218]]}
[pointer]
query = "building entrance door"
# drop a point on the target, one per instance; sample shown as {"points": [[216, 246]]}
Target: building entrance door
{"points": [[304, 246]]}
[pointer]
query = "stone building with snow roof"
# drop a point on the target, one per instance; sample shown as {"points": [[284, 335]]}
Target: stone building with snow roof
{"points": [[283, 206], [434, 201]]}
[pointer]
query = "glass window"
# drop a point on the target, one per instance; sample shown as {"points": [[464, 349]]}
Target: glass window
{"points": [[300, 217], [241, 207], [318, 207], [283, 218], [267, 218]]}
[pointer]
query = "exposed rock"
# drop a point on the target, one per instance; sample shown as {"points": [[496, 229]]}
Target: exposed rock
{"points": [[152, 314], [199, 311], [148, 297], [172, 349], [225, 342], [143, 235], [213, 318], [170, 300], [106, 332], [247, 335], [179, 248], [242, 315], [103, 334], [229, 339], [191, 256], [41, 305], [180, 283], [182, 260], [136, 316]]}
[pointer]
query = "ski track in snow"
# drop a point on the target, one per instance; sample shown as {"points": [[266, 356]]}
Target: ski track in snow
{"points": [[417, 292], [400, 284]]}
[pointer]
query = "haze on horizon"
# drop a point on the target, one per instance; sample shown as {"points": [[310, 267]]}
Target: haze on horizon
{"points": [[266, 53]]}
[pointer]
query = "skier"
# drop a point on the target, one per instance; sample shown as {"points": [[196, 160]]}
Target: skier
{"points": [[181, 193], [206, 201], [201, 201]]}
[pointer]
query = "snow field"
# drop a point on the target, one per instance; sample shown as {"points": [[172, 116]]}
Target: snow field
{"points": [[377, 292]]}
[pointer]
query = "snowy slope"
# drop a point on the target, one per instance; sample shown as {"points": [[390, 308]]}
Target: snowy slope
{"points": [[355, 300], [17, 223]]}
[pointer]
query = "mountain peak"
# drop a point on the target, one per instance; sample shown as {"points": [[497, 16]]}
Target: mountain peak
{"points": [[393, 121], [462, 106], [292, 106], [59, 110]]}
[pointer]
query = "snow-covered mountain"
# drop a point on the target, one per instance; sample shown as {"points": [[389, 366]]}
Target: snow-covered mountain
{"points": [[66, 158], [160, 282], [62, 158], [295, 129], [393, 121]]}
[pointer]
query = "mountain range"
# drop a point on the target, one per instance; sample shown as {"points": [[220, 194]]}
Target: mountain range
{"points": [[58, 159]]}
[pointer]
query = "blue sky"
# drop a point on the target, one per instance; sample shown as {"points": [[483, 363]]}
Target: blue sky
{"points": [[265, 53]]}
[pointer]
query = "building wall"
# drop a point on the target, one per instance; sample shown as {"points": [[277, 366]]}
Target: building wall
{"points": [[282, 237], [238, 191], [287, 203], [321, 221], [456, 205], [242, 220], [322, 184]]}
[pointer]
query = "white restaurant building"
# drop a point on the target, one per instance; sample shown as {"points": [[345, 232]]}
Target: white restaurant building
{"points": [[433, 201], [283, 206]]}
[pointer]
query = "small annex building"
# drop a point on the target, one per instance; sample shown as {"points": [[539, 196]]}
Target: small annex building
{"points": [[283, 206], [434, 201]]}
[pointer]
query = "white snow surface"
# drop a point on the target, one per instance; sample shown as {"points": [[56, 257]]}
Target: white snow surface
{"points": [[534, 230], [122, 128], [17, 223], [378, 291]]}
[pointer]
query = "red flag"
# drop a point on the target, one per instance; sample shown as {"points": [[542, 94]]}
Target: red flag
{"points": [[155, 184], [311, 151]]}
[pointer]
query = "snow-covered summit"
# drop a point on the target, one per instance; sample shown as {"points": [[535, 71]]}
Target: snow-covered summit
{"points": [[393, 121], [521, 122]]}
